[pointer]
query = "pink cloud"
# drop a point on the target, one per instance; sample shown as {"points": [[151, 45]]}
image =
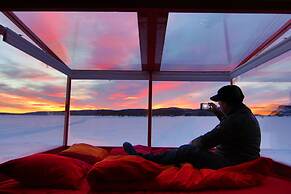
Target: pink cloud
{"points": [[115, 46], [52, 28], [116, 96], [166, 86], [89, 40]]}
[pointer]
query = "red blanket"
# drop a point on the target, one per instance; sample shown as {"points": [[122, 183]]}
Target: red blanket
{"points": [[189, 178], [259, 176]]}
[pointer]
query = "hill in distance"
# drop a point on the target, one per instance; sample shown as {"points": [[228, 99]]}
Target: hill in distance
{"points": [[282, 110], [172, 111]]}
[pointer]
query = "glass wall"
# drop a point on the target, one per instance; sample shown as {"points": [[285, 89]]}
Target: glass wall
{"points": [[215, 41], [282, 38], [177, 116], [268, 92], [32, 96], [107, 113]]}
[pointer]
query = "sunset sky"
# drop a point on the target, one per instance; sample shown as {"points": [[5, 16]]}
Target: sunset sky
{"points": [[110, 41]]}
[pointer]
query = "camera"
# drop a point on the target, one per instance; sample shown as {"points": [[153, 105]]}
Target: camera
{"points": [[204, 106]]}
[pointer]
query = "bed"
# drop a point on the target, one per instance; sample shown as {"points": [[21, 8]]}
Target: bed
{"points": [[274, 178]]}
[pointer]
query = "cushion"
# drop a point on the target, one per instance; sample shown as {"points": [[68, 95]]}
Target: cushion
{"points": [[85, 152], [46, 170], [123, 168]]}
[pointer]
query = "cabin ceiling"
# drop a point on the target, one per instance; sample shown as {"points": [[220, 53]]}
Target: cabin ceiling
{"points": [[178, 41]]}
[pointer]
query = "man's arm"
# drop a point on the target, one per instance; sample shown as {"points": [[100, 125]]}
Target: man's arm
{"points": [[214, 137], [218, 113]]}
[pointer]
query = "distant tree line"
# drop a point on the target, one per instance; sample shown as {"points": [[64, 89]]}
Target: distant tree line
{"points": [[173, 111], [283, 110]]}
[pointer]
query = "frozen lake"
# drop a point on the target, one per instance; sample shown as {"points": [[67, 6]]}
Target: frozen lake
{"points": [[22, 135]]}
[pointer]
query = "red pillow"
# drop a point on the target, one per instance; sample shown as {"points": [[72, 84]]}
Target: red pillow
{"points": [[46, 170], [123, 168]]}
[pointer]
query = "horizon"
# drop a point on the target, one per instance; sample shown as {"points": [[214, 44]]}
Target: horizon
{"points": [[56, 111]]}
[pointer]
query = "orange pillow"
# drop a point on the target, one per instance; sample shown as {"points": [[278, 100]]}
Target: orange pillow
{"points": [[123, 168], [46, 170], [85, 152]]}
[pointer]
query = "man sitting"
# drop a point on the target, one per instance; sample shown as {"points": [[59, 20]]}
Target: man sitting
{"points": [[234, 140]]}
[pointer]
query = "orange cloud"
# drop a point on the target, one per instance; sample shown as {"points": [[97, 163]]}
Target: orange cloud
{"points": [[179, 101], [86, 107], [19, 104], [264, 109]]}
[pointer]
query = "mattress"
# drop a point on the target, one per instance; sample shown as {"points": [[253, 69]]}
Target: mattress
{"points": [[269, 185]]}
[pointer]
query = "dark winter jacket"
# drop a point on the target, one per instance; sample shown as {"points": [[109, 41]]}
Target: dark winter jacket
{"points": [[237, 136]]}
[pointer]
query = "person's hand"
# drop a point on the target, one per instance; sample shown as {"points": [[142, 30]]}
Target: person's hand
{"points": [[213, 107]]}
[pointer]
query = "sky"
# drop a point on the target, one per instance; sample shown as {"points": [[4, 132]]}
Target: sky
{"points": [[89, 40], [102, 41]]}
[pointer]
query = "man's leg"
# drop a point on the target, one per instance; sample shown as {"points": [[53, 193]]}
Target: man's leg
{"points": [[190, 154], [185, 153], [167, 157], [201, 158]]}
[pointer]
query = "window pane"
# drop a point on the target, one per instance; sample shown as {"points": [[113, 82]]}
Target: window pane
{"points": [[30, 92], [268, 92], [106, 127], [172, 130], [5, 22], [89, 40], [285, 36], [215, 41]]}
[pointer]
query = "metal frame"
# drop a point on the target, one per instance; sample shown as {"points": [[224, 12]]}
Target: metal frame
{"points": [[284, 28], [157, 75], [150, 96], [22, 44], [208, 76], [270, 54], [231, 82], [10, 15], [67, 112], [109, 75], [152, 31]]}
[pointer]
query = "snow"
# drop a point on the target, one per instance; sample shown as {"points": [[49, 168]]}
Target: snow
{"points": [[23, 135]]}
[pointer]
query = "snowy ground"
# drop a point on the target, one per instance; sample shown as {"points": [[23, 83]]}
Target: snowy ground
{"points": [[22, 135]]}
